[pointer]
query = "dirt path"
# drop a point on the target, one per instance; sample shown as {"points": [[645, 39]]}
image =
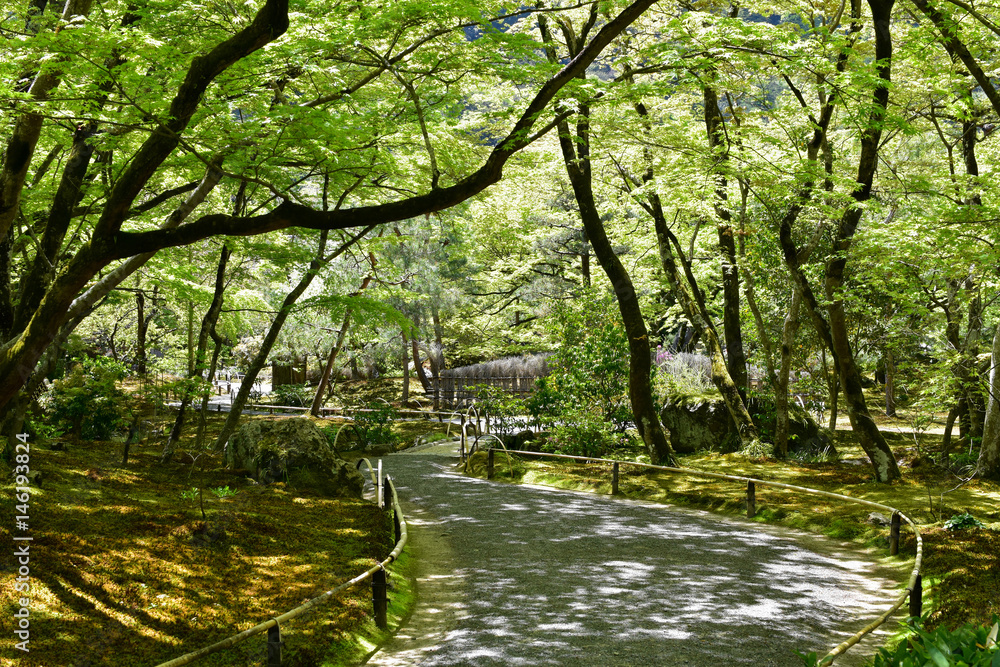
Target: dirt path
{"points": [[522, 575]]}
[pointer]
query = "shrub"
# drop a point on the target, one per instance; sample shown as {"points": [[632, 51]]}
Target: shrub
{"points": [[545, 403], [502, 409], [962, 522], [968, 645], [293, 395], [582, 434], [374, 425], [87, 401]]}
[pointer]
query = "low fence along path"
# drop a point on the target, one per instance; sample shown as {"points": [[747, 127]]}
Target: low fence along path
{"points": [[548, 577]]}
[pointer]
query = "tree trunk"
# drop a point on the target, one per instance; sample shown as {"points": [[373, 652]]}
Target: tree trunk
{"points": [[644, 413], [736, 361], [406, 368], [141, 329], [419, 367], [257, 363], [197, 373], [989, 453], [890, 384], [833, 394], [328, 369], [788, 330]]}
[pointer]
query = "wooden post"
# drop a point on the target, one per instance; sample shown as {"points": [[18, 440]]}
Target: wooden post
{"points": [[614, 478], [273, 646], [379, 600], [386, 493], [751, 500], [489, 463], [894, 534], [917, 597], [463, 437]]}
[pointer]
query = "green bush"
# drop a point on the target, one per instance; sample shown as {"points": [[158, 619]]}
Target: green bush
{"points": [[582, 434], [374, 426], [968, 645], [87, 402], [292, 395], [962, 522], [502, 409], [545, 403]]}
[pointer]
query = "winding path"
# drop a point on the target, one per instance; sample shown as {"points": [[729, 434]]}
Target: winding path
{"points": [[523, 575]]}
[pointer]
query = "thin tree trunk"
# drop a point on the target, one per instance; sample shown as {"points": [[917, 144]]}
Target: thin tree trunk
{"points": [[890, 384], [257, 363], [788, 330], [328, 369], [736, 361], [419, 367], [406, 368], [199, 441], [832, 381], [196, 374]]}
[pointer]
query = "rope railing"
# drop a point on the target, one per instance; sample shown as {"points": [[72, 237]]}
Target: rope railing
{"points": [[914, 586], [386, 491]]}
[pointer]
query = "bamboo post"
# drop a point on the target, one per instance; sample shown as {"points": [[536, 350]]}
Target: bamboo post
{"points": [[489, 463], [751, 500], [379, 600], [273, 646], [614, 478], [917, 596], [379, 492], [894, 535], [386, 494]]}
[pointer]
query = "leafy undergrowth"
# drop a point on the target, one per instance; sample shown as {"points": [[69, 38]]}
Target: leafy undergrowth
{"points": [[125, 571], [961, 569]]}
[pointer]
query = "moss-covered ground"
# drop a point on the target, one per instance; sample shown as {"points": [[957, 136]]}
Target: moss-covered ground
{"points": [[126, 571]]}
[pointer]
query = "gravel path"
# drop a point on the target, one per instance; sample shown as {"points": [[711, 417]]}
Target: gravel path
{"points": [[523, 575]]}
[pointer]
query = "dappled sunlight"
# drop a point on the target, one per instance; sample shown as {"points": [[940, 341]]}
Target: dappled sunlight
{"points": [[564, 577]]}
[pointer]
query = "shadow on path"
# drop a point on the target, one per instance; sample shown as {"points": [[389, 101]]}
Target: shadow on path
{"points": [[557, 578]]}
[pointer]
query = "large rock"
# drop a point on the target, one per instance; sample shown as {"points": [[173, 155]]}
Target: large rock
{"points": [[294, 451], [698, 423], [703, 422]]}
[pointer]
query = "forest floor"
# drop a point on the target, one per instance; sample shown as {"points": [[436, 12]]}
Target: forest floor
{"points": [[961, 568], [125, 570]]}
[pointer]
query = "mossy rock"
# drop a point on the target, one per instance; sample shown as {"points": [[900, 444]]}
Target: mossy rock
{"points": [[294, 451], [702, 422]]}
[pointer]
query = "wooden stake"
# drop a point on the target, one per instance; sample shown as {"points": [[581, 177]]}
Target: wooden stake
{"points": [[751, 500], [273, 646], [379, 600], [894, 534]]}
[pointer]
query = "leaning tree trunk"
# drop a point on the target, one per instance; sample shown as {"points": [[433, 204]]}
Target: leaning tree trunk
{"points": [[257, 363], [419, 367], [324, 380], [640, 388]]}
